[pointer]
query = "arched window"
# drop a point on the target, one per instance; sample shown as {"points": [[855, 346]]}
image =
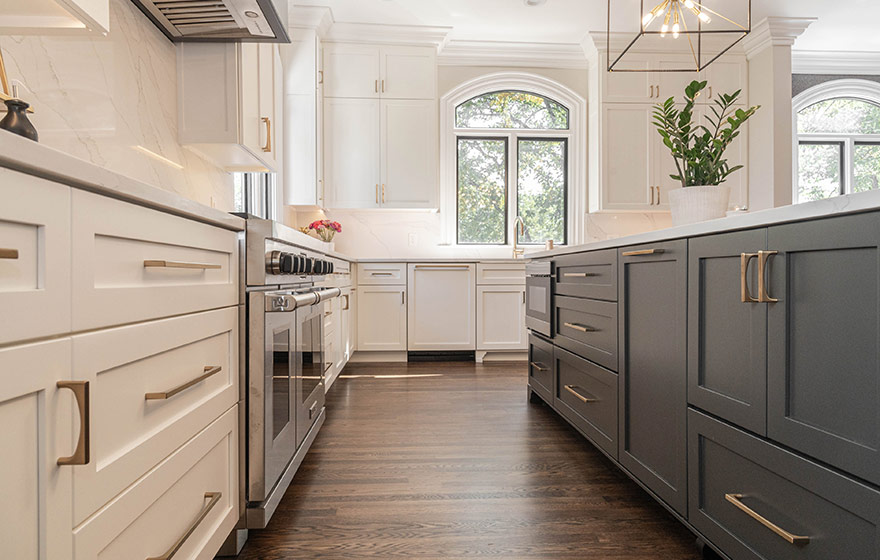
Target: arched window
{"points": [[838, 137]]}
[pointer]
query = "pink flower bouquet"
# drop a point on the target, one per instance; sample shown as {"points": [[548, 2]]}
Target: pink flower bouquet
{"points": [[325, 229]]}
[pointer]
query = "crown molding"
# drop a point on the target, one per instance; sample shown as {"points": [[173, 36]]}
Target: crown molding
{"points": [[319, 18], [775, 32], [417, 35], [836, 62], [512, 54]]}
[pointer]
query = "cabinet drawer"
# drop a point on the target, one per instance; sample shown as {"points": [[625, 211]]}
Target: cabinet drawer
{"points": [[588, 328], [587, 395], [195, 488], [381, 273], [732, 472], [117, 250], [501, 273], [588, 275], [34, 257], [131, 433], [541, 374]]}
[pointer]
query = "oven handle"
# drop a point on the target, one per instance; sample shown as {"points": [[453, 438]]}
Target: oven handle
{"points": [[284, 303]]}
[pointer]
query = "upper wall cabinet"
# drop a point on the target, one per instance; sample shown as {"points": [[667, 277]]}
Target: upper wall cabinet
{"points": [[230, 103], [370, 71], [43, 17]]}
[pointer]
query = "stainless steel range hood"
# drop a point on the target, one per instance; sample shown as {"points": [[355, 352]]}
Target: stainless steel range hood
{"points": [[219, 20]]}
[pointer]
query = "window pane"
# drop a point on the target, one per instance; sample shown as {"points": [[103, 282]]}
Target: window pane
{"points": [[541, 190], [867, 162], [482, 190], [819, 167], [511, 109], [851, 116]]}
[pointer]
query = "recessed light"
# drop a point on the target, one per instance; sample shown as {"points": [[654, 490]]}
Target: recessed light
{"points": [[534, 2]]}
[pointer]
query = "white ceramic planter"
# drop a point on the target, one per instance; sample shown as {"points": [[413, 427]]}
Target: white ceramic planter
{"points": [[698, 204]]}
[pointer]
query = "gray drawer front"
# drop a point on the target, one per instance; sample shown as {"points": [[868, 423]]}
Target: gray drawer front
{"points": [[577, 380], [588, 275], [541, 367], [588, 328], [838, 515]]}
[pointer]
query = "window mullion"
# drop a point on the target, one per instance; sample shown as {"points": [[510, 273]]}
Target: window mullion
{"points": [[512, 192]]}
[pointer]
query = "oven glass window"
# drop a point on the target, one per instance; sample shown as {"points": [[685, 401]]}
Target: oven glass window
{"points": [[538, 300], [280, 381], [312, 364]]}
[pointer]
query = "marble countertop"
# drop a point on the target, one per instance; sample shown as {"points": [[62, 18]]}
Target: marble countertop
{"points": [[37, 159], [837, 206], [443, 260]]}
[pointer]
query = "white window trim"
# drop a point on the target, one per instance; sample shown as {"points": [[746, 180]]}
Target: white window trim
{"points": [[576, 135], [865, 90]]}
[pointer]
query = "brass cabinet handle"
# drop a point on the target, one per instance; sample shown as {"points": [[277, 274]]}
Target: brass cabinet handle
{"points": [[320, 77], [736, 499], [763, 289], [377, 193], [403, 298], [9, 254], [710, 92], [347, 302], [268, 146], [175, 264], [213, 498], [383, 193], [652, 91], [328, 313], [581, 328], [583, 399], [658, 91], [579, 274], [744, 260], [441, 267], [383, 86], [643, 252], [657, 189], [380, 274], [538, 366], [209, 371], [652, 196], [83, 445], [377, 86]]}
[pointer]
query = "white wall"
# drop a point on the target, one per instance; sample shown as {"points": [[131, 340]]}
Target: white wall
{"points": [[98, 97]]}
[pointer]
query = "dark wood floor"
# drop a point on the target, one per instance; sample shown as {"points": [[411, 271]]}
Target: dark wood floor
{"points": [[452, 462]]}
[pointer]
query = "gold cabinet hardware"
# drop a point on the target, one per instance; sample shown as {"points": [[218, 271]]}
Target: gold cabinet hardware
{"points": [[208, 372], [710, 92], [581, 328], [744, 260], [652, 91], [658, 91], [579, 274], [583, 399], [402, 298], [383, 193], [268, 146], [383, 86], [763, 289], [377, 193], [347, 302], [83, 445], [736, 499], [9, 254], [524, 297], [652, 196], [320, 77], [213, 498], [441, 267], [377, 86], [657, 190], [643, 252], [539, 366], [175, 264], [328, 313], [380, 274]]}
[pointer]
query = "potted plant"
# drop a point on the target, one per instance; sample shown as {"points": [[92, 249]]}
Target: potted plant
{"points": [[698, 152]]}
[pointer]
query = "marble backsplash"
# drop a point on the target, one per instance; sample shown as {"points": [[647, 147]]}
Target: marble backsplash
{"points": [[104, 99]]}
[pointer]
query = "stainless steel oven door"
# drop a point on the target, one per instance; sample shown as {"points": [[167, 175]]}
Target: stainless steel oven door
{"points": [[309, 368], [539, 301]]}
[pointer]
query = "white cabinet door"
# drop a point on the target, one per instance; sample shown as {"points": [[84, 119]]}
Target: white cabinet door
{"points": [[303, 106], [672, 84], [441, 309], [251, 100], [626, 160], [351, 152], [627, 87], [270, 92], [345, 327], [726, 75], [408, 73], [351, 70], [501, 318], [382, 318], [54, 17], [409, 154], [39, 427]]}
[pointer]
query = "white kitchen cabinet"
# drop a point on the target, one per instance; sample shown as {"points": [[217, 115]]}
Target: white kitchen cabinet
{"points": [[381, 318], [346, 325], [441, 310], [501, 318], [37, 417], [51, 17], [626, 153], [351, 152], [351, 70], [230, 103], [379, 71], [410, 152]]}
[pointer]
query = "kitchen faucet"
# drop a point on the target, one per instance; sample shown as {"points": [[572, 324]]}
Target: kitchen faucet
{"points": [[517, 253]]}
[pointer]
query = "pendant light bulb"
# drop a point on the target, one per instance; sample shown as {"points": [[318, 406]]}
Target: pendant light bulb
{"points": [[649, 17], [704, 18], [689, 4], [675, 30], [663, 30]]}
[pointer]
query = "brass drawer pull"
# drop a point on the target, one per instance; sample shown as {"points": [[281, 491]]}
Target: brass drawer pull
{"points": [[209, 371], [583, 399], [643, 252], [441, 267], [213, 498], [9, 254], [175, 264], [581, 328], [736, 499], [347, 302], [380, 274], [579, 274], [763, 289], [81, 393], [744, 260], [268, 146], [539, 366]]}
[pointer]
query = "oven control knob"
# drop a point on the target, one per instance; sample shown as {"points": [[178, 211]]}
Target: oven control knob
{"points": [[287, 263], [308, 264], [319, 267], [331, 267], [298, 264], [273, 262]]}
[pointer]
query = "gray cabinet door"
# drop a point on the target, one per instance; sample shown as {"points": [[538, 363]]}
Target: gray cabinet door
{"points": [[653, 376], [727, 339], [824, 341], [541, 374]]}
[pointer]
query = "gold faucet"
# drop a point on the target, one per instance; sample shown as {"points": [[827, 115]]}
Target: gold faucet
{"points": [[517, 252]]}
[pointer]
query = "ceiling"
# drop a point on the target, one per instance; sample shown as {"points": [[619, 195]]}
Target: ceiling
{"points": [[843, 25]]}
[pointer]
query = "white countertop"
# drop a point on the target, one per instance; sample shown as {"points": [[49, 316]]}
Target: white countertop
{"points": [[443, 260], [37, 159], [837, 206]]}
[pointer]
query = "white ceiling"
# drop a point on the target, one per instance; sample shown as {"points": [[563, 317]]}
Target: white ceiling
{"points": [[843, 25]]}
